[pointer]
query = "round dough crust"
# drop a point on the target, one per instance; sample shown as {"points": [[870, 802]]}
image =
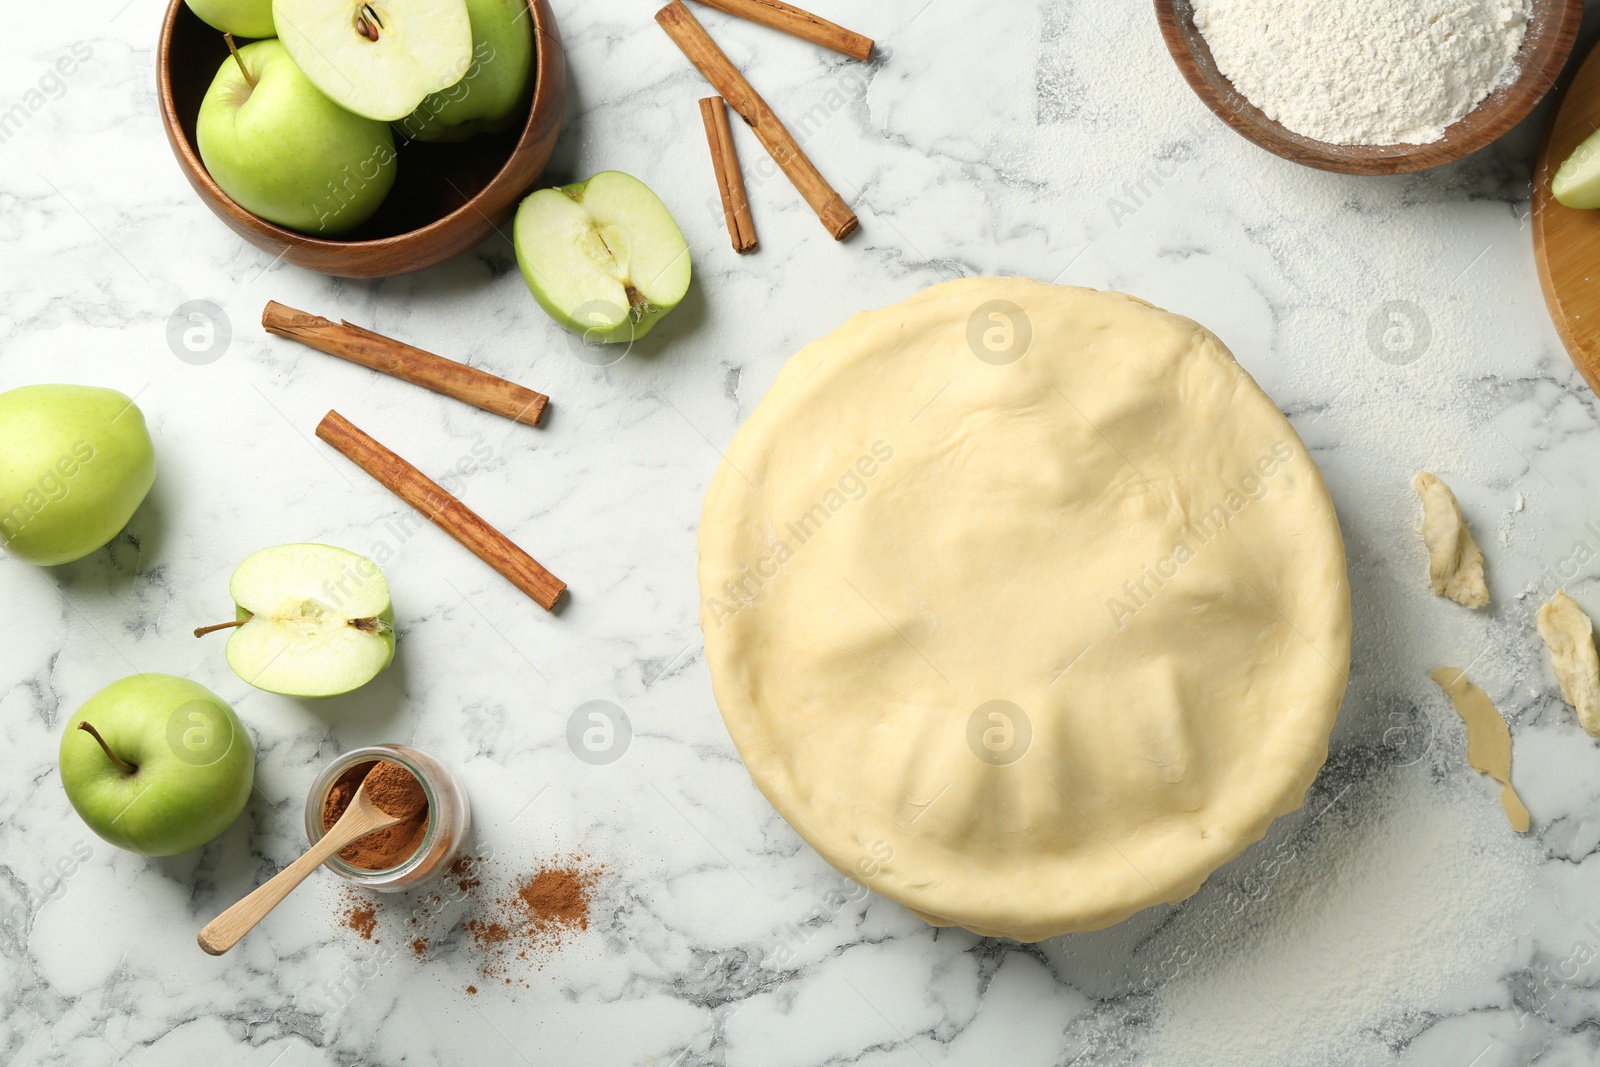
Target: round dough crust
{"points": [[1116, 535]]}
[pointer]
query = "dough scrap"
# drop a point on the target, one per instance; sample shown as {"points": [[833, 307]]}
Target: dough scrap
{"points": [[1031, 643], [1455, 562], [1488, 738], [1569, 635]]}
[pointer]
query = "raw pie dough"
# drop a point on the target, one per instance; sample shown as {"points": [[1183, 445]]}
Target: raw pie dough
{"points": [[1032, 641], [1488, 738], [1569, 635], [1455, 562]]}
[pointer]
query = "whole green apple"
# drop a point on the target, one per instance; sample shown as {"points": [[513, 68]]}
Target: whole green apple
{"points": [[287, 153], [242, 18], [488, 99], [75, 463], [157, 764]]}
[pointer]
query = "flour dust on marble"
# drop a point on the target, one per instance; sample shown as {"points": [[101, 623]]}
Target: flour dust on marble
{"points": [[1403, 908]]}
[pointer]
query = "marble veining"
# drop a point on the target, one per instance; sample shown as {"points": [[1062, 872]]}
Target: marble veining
{"points": [[1397, 322]]}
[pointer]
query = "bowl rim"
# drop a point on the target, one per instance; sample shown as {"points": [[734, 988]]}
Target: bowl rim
{"points": [[546, 94], [1512, 101]]}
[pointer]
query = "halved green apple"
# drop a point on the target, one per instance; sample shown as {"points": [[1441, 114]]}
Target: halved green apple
{"points": [[1577, 181], [603, 257], [377, 58], [313, 621]]}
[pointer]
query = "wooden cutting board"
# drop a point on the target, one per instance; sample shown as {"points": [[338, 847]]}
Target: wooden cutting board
{"points": [[1566, 242]]}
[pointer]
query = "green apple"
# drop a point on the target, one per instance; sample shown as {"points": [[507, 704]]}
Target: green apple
{"points": [[286, 152], [313, 621], [157, 764], [75, 463], [378, 58], [603, 257], [1577, 181], [497, 84], [242, 18]]}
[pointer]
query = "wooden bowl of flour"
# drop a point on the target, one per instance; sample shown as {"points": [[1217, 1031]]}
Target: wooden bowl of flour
{"points": [[1552, 29]]}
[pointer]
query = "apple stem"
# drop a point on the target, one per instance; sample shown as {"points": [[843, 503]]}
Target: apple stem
{"points": [[203, 630], [236, 58], [122, 765]]}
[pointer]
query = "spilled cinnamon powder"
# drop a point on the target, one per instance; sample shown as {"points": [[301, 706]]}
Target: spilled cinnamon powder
{"points": [[558, 897], [363, 921], [360, 914], [393, 790], [520, 924], [539, 916], [464, 873]]}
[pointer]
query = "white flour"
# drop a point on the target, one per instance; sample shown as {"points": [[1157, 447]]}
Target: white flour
{"points": [[1399, 910], [1364, 71]]}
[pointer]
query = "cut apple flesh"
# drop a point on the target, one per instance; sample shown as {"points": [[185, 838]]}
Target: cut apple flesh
{"points": [[601, 252], [318, 621], [377, 58], [1577, 181]]}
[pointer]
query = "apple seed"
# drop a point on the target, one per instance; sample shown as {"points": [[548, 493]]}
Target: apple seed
{"points": [[368, 23]]}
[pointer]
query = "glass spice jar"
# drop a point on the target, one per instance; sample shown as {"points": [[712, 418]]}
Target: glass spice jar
{"points": [[449, 819]]}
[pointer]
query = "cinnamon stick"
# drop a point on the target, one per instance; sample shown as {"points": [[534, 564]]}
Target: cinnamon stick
{"points": [[730, 183], [798, 22], [400, 360], [687, 33], [442, 509]]}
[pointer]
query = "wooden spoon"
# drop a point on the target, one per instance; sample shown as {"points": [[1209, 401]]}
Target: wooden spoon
{"points": [[361, 818]]}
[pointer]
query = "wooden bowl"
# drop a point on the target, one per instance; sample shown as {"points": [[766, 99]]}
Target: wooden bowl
{"points": [[1545, 47], [446, 197]]}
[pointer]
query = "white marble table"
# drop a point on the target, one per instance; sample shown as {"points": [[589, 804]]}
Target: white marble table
{"points": [[1397, 321]]}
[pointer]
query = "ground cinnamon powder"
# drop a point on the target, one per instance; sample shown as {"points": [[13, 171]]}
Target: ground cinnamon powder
{"points": [[542, 913], [394, 790], [521, 923], [360, 913], [363, 920], [558, 896], [464, 872]]}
